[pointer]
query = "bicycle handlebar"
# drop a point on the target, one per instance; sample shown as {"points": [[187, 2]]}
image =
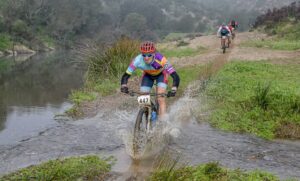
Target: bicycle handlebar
{"points": [[133, 93]]}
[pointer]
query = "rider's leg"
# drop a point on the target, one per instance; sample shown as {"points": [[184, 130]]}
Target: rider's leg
{"points": [[222, 42], [162, 82], [147, 83], [161, 101]]}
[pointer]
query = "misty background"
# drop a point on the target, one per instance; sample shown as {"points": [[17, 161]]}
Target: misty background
{"points": [[38, 22]]}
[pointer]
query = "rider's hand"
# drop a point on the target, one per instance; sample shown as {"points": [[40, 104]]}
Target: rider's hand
{"points": [[124, 89], [172, 93]]}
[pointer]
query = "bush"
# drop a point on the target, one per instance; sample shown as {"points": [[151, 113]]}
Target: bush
{"points": [[112, 62], [5, 42]]}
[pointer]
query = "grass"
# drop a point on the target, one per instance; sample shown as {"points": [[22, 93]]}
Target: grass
{"points": [[112, 62], [188, 75], [286, 36], [210, 172], [182, 51], [257, 98], [276, 44], [75, 168]]}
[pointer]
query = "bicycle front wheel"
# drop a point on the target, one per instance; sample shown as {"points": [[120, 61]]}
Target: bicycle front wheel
{"points": [[140, 130]]}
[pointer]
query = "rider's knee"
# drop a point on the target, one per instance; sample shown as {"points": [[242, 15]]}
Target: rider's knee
{"points": [[161, 100]]}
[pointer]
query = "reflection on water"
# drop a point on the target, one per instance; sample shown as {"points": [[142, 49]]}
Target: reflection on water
{"points": [[33, 90]]}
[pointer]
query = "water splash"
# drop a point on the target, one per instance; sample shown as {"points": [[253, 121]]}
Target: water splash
{"points": [[167, 127]]}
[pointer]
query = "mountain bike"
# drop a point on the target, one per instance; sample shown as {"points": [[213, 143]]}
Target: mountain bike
{"points": [[223, 43], [146, 118], [233, 33]]}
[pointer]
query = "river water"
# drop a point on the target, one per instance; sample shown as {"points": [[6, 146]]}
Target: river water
{"points": [[33, 89]]}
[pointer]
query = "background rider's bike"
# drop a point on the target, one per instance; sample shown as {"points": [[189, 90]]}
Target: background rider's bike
{"points": [[233, 33], [223, 43], [146, 118]]}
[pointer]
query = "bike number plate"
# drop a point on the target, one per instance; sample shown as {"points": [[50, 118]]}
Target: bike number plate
{"points": [[224, 37], [144, 100]]}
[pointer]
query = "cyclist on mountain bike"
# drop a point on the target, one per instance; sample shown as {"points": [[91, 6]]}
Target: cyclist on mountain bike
{"points": [[156, 68], [234, 24], [224, 31]]}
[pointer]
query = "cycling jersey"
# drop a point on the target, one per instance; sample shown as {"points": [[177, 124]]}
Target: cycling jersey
{"points": [[234, 24], [158, 65], [230, 28], [224, 31]]}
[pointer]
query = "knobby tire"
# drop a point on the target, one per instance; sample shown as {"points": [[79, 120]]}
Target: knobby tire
{"points": [[141, 120]]}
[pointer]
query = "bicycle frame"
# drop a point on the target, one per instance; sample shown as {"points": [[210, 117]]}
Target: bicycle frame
{"points": [[223, 43], [147, 106]]}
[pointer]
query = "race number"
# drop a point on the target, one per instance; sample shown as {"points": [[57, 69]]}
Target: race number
{"points": [[224, 37], [144, 100]]}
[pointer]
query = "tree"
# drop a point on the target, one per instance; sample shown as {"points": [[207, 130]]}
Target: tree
{"points": [[185, 24], [135, 23]]}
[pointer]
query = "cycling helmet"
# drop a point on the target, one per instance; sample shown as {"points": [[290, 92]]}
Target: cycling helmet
{"points": [[147, 47]]}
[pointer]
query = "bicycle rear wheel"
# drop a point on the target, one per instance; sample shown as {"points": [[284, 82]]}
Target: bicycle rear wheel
{"points": [[140, 130], [223, 43]]}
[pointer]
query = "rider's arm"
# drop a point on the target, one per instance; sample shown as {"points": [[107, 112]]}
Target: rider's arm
{"points": [[171, 71], [124, 79], [219, 32], [229, 34], [131, 68], [176, 79]]}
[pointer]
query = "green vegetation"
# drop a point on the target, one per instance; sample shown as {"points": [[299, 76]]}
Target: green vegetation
{"points": [[69, 169], [105, 68], [210, 172], [5, 42], [276, 44], [111, 63], [257, 98], [286, 37], [182, 52], [188, 75]]}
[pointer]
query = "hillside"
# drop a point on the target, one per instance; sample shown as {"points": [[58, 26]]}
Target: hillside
{"points": [[43, 23]]}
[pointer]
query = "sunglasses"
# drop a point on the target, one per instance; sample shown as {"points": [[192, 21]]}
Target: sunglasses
{"points": [[147, 55]]}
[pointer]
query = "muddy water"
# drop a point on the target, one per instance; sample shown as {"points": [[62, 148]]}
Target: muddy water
{"points": [[33, 89], [108, 133]]}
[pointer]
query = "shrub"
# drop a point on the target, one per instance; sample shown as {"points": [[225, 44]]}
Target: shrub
{"points": [[112, 62]]}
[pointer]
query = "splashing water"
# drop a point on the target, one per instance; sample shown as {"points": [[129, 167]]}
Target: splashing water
{"points": [[167, 127]]}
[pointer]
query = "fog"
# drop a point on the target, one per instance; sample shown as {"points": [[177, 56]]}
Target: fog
{"points": [[67, 21]]}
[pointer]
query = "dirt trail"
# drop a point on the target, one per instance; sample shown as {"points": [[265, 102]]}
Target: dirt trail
{"points": [[237, 52]]}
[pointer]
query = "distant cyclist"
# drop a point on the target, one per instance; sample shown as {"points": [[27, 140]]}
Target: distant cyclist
{"points": [[234, 24], [156, 68], [224, 31], [232, 31]]}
